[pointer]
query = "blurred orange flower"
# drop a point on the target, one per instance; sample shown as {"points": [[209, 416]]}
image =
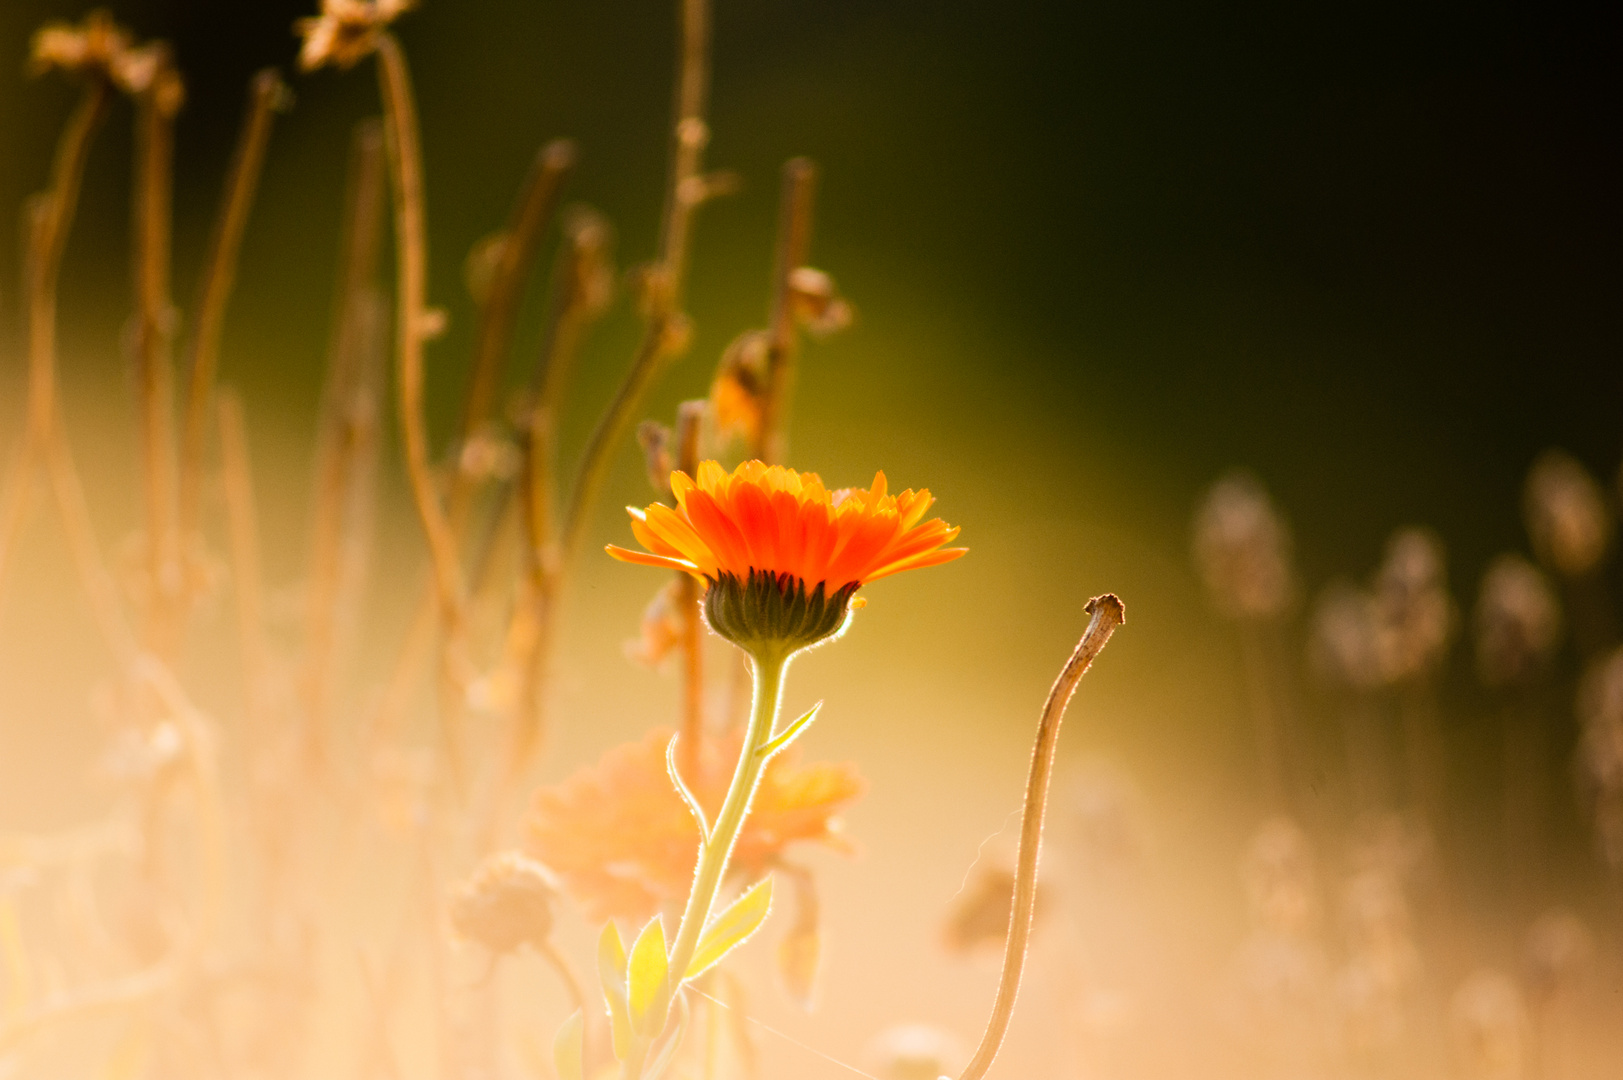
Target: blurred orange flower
{"points": [[622, 842], [777, 521]]}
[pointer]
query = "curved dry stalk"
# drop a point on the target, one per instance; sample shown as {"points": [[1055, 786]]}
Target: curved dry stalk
{"points": [[154, 326], [268, 95], [521, 241], [566, 975], [242, 528], [666, 332], [47, 220], [794, 248], [413, 325], [1107, 614]]}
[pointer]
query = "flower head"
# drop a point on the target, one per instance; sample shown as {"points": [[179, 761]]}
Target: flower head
{"points": [[782, 553], [346, 31], [507, 903], [99, 47], [623, 843]]}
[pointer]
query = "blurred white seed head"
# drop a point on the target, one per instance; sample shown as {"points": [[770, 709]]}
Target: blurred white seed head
{"points": [[1344, 646], [1559, 951], [1280, 885], [1415, 616], [915, 1052], [1242, 548], [1489, 1029], [1518, 622], [1567, 516]]}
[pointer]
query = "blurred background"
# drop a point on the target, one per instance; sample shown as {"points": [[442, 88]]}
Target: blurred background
{"points": [[1100, 255]]}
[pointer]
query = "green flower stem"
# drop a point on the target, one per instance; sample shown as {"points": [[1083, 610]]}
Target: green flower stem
{"points": [[768, 665]]}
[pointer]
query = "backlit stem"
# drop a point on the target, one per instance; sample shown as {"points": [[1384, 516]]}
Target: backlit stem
{"points": [[1108, 613], [769, 668]]}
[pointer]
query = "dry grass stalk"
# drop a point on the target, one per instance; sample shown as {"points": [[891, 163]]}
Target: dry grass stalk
{"points": [[795, 205], [242, 529], [690, 420]]}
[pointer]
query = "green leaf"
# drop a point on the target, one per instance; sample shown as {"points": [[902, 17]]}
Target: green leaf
{"points": [[790, 733], [732, 928], [682, 789], [649, 967], [611, 969], [569, 1048]]}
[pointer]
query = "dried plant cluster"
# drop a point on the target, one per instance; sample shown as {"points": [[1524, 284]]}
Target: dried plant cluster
{"points": [[1443, 955], [195, 932]]}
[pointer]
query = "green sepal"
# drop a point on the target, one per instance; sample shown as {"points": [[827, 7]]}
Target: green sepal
{"points": [[611, 970]]}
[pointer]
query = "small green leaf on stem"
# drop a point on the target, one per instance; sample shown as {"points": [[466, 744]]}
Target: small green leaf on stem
{"points": [[649, 967], [682, 790], [732, 928], [790, 733]]}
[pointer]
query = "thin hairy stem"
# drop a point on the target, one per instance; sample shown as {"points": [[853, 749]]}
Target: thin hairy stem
{"points": [[794, 248], [154, 330], [1107, 614], [267, 96], [412, 325], [714, 855]]}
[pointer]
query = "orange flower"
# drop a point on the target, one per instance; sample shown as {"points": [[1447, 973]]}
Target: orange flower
{"points": [[624, 844], [776, 521]]}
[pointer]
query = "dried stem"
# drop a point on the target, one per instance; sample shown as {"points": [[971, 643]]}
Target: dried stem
{"points": [[154, 327], [666, 332], [521, 241], [794, 249], [1108, 613], [566, 975], [413, 323], [690, 418], [242, 524], [268, 95], [347, 435], [1267, 720]]}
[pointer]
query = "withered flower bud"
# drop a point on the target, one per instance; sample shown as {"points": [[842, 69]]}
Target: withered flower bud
{"points": [[1414, 613], [1489, 1027], [1345, 644], [738, 395], [100, 47], [818, 305], [508, 903], [658, 455], [487, 455], [1567, 516], [1559, 949], [346, 32], [1518, 622], [1243, 549], [663, 628], [980, 916]]}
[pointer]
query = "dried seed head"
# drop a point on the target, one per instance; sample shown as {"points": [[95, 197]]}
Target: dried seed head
{"points": [[1559, 949], [658, 455], [1415, 616], [488, 455], [818, 305], [1345, 644], [99, 47], [508, 903], [1567, 516], [1279, 881], [1518, 622], [1489, 1027], [1243, 549], [346, 32]]}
